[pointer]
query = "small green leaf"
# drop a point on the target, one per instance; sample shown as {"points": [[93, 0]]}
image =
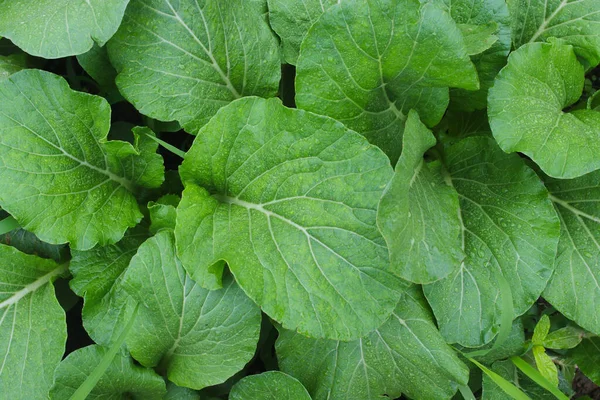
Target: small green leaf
{"points": [[587, 358], [563, 338], [59, 176], [198, 337], [60, 28], [418, 214], [271, 385], [183, 60], [526, 111], [289, 199], [33, 330], [406, 355], [545, 365], [367, 63], [122, 379], [574, 22], [541, 330]]}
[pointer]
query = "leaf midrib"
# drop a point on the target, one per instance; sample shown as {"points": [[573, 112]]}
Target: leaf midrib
{"points": [[33, 286]]}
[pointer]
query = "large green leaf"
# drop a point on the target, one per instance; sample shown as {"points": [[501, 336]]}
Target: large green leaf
{"points": [[60, 28], [271, 385], [366, 63], [418, 214], [575, 22], [481, 14], [587, 357], [59, 177], [526, 111], [122, 380], [289, 200], [406, 355], [575, 286], [198, 337], [291, 20], [183, 60], [97, 277], [33, 330], [509, 230]]}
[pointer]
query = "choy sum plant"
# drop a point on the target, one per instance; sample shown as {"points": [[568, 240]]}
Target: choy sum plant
{"points": [[299, 199]]}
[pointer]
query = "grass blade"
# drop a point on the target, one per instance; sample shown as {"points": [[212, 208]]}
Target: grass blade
{"points": [[505, 385], [535, 376]]}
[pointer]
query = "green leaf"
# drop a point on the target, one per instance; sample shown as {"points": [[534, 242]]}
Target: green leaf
{"points": [[97, 277], [564, 338], [289, 200], [163, 212], [183, 60], [537, 377], [419, 214], [504, 378], [60, 28], [406, 355], [271, 385], [509, 228], [367, 63], [198, 337], [526, 111], [33, 330], [541, 330], [28, 243], [513, 345], [122, 380], [175, 392], [96, 63], [587, 357], [545, 365], [482, 14], [478, 38], [291, 20], [11, 64], [59, 177], [573, 22], [575, 285]]}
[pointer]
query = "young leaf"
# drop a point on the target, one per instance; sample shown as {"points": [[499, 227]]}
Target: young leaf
{"points": [[537, 377], [59, 177], [289, 201], [33, 330], [183, 60], [526, 111], [509, 227], [198, 337], [271, 385], [122, 379], [575, 285], [406, 355], [587, 357], [291, 20], [366, 63], [163, 212], [97, 277], [545, 365], [60, 28], [418, 214], [564, 338], [573, 21], [541, 330]]}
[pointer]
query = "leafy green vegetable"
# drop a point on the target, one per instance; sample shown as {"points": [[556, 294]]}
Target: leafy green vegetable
{"points": [[405, 355], [289, 200], [526, 111], [33, 331], [575, 286], [509, 227], [123, 379], [60, 28], [419, 214], [272, 385], [59, 177], [170, 331], [367, 63], [573, 21], [183, 60]]}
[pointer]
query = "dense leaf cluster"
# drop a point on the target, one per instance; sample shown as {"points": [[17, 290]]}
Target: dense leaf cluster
{"points": [[299, 199]]}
